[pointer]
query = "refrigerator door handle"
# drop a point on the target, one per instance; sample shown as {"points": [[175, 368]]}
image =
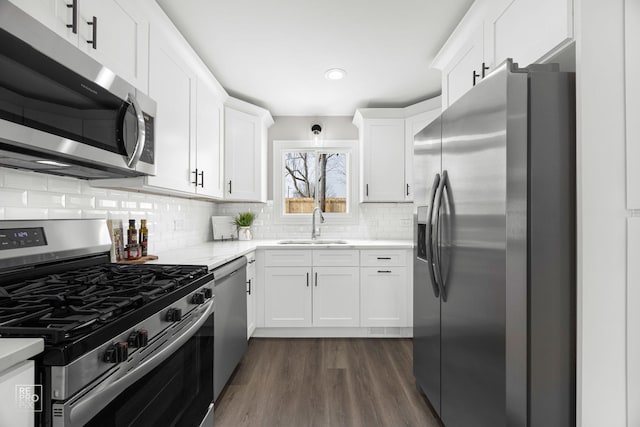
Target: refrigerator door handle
{"points": [[432, 198], [437, 270]]}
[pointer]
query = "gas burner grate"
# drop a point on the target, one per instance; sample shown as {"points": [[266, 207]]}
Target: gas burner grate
{"points": [[68, 305]]}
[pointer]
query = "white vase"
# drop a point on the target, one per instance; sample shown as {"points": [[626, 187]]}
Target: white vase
{"points": [[244, 233]]}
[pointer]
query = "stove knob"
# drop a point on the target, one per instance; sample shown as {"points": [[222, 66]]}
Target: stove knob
{"points": [[173, 315], [143, 337], [198, 298], [110, 355], [138, 338], [208, 292], [116, 353]]}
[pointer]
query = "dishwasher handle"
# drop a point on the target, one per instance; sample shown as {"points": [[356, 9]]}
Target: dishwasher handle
{"points": [[229, 268]]}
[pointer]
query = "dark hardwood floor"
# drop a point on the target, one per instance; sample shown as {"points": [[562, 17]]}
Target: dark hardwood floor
{"points": [[324, 382]]}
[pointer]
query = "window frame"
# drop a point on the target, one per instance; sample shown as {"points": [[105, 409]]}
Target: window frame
{"points": [[349, 147]]}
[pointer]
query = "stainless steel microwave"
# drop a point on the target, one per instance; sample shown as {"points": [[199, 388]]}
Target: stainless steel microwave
{"points": [[63, 113]]}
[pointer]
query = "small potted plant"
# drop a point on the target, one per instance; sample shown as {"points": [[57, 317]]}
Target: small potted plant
{"points": [[243, 221]]}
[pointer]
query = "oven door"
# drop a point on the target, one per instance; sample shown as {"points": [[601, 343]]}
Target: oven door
{"points": [[176, 391]]}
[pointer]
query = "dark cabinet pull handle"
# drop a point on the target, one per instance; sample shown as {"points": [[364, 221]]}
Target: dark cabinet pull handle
{"points": [[484, 69], [249, 283], [94, 24], [316, 279], [384, 257], [475, 76], [251, 262], [229, 186], [367, 190], [307, 279], [195, 173], [407, 189], [74, 19], [384, 271], [201, 179]]}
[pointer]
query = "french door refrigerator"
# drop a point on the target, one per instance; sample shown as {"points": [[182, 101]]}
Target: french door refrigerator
{"points": [[494, 275]]}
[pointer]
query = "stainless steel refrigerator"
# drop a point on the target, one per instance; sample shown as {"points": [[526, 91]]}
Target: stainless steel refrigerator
{"points": [[494, 258]]}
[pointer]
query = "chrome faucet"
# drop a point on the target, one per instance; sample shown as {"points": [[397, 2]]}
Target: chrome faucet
{"points": [[315, 231]]}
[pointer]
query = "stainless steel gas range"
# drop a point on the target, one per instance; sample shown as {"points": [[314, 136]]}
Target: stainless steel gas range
{"points": [[125, 345]]}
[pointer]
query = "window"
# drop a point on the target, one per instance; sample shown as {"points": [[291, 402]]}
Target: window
{"points": [[306, 176]]}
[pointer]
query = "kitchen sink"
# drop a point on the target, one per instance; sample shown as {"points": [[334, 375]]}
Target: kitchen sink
{"points": [[312, 242]]}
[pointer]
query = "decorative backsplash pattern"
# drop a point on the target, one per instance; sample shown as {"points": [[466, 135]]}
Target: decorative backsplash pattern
{"points": [[172, 222], [377, 221]]}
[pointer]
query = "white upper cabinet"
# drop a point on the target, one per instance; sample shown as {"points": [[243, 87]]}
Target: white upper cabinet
{"points": [[209, 142], [386, 149], [463, 72], [57, 15], [527, 31], [114, 32], [171, 85], [189, 145], [383, 160], [632, 100], [245, 130], [118, 39]]}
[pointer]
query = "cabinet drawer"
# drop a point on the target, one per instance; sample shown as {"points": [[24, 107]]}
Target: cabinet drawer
{"points": [[382, 258], [287, 258], [336, 258]]}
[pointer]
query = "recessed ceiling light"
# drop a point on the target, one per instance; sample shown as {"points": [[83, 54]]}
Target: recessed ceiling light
{"points": [[335, 74]]}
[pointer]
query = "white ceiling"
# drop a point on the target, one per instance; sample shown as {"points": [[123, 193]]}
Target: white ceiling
{"points": [[274, 53]]}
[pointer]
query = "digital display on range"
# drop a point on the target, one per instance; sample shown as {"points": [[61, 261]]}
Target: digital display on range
{"points": [[16, 238]]}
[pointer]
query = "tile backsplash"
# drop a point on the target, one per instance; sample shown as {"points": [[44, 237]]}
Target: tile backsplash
{"points": [[376, 221], [173, 222]]}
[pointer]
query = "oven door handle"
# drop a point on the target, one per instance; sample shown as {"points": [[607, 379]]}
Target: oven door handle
{"points": [[82, 410]]}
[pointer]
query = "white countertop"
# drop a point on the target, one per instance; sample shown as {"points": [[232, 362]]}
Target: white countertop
{"points": [[214, 254], [16, 350]]}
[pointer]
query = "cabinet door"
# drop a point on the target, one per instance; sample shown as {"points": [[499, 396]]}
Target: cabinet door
{"points": [[15, 414], [121, 38], [336, 296], [209, 154], [171, 85], [54, 14], [633, 318], [457, 79], [251, 294], [383, 160], [243, 156], [412, 126], [531, 30], [287, 296], [383, 296], [632, 101]]}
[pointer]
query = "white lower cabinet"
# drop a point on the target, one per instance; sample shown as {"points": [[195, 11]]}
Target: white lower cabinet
{"points": [[336, 296], [287, 296], [383, 296], [251, 293], [12, 413], [311, 288]]}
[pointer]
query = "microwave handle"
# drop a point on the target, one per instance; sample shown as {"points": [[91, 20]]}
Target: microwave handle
{"points": [[81, 409], [137, 152]]}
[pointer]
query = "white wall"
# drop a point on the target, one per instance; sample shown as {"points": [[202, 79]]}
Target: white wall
{"points": [[31, 195], [601, 257], [298, 128]]}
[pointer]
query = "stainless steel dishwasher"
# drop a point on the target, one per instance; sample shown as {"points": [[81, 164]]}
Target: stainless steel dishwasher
{"points": [[230, 326]]}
